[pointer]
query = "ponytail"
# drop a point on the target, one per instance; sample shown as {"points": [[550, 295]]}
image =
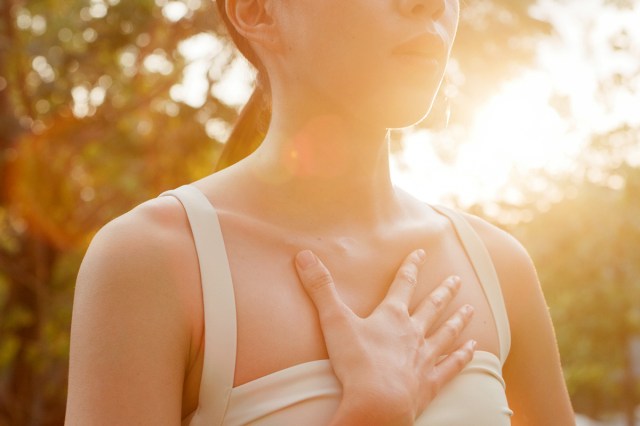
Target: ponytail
{"points": [[248, 131], [252, 123]]}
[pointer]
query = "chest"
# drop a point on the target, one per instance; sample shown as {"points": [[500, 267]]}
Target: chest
{"points": [[277, 324]]}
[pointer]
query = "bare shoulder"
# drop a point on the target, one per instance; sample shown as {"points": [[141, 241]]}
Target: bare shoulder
{"points": [[508, 254], [534, 397], [143, 250], [153, 218], [132, 322], [517, 274]]}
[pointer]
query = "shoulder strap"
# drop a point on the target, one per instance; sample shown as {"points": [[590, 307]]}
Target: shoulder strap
{"points": [[218, 304], [483, 266]]}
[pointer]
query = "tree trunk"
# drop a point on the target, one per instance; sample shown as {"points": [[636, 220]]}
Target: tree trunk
{"points": [[21, 398], [629, 383]]}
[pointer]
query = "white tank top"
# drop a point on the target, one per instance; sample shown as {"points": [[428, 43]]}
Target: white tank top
{"points": [[309, 393]]}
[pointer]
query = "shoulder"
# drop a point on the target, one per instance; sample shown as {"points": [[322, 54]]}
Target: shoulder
{"points": [[134, 311], [535, 398], [507, 253], [516, 272], [153, 232], [146, 253], [142, 257], [149, 223]]}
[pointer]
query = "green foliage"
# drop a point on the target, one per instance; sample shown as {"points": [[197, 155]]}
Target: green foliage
{"points": [[590, 265], [585, 247], [87, 130]]}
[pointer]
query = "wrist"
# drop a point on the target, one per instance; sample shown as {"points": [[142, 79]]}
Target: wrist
{"points": [[368, 408]]}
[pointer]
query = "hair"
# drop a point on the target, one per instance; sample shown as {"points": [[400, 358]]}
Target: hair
{"points": [[253, 121]]}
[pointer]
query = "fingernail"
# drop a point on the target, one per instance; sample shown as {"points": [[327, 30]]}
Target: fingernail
{"points": [[472, 345], [305, 259], [467, 309], [422, 256]]}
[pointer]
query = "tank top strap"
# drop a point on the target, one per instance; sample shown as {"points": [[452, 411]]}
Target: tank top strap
{"points": [[218, 305], [485, 270]]}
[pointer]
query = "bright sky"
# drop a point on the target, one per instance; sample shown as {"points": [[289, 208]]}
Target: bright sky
{"points": [[517, 129]]}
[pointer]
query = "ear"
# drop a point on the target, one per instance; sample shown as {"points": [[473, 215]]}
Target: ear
{"points": [[254, 21]]}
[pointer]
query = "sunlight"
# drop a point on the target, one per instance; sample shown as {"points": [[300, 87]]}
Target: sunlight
{"points": [[515, 132], [208, 59], [542, 119]]}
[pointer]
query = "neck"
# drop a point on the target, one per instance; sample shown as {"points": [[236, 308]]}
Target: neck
{"points": [[326, 166]]}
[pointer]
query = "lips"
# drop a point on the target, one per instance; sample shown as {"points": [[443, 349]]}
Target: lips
{"points": [[427, 45]]}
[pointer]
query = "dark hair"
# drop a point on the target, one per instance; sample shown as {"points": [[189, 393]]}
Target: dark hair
{"points": [[252, 123]]}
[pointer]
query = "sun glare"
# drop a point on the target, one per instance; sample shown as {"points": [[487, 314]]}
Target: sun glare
{"points": [[541, 119], [515, 132]]}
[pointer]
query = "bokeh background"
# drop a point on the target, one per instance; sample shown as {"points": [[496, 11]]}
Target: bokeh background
{"points": [[106, 103]]}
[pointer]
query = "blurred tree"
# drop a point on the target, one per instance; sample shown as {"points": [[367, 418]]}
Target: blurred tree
{"points": [[585, 247], [92, 122], [88, 129], [496, 40]]}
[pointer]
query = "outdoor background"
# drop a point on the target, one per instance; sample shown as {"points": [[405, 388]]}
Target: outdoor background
{"points": [[107, 103]]}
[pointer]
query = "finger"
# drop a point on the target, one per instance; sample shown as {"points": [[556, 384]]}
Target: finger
{"points": [[452, 365], [404, 283], [318, 283], [431, 307], [447, 333]]}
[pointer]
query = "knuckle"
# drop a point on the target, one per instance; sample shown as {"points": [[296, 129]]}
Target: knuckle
{"points": [[451, 328], [397, 309], [435, 383], [429, 354], [333, 316], [449, 291], [452, 284], [408, 274], [437, 300], [459, 361], [319, 280], [418, 327]]}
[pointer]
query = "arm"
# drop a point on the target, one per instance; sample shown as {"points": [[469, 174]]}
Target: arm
{"points": [[536, 390], [130, 336]]}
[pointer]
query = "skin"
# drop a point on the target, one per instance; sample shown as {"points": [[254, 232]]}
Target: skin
{"points": [[397, 393], [320, 181]]}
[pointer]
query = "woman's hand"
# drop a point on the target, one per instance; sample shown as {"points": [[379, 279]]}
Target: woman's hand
{"points": [[390, 369]]}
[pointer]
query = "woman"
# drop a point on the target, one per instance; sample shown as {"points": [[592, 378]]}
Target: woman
{"points": [[173, 323]]}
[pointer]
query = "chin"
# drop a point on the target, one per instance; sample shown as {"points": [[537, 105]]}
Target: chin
{"points": [[410, 111], [394, 107], [402, 105]]}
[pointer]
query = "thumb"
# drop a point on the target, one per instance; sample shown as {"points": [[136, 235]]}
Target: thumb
{"points": [[318, 283]]}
